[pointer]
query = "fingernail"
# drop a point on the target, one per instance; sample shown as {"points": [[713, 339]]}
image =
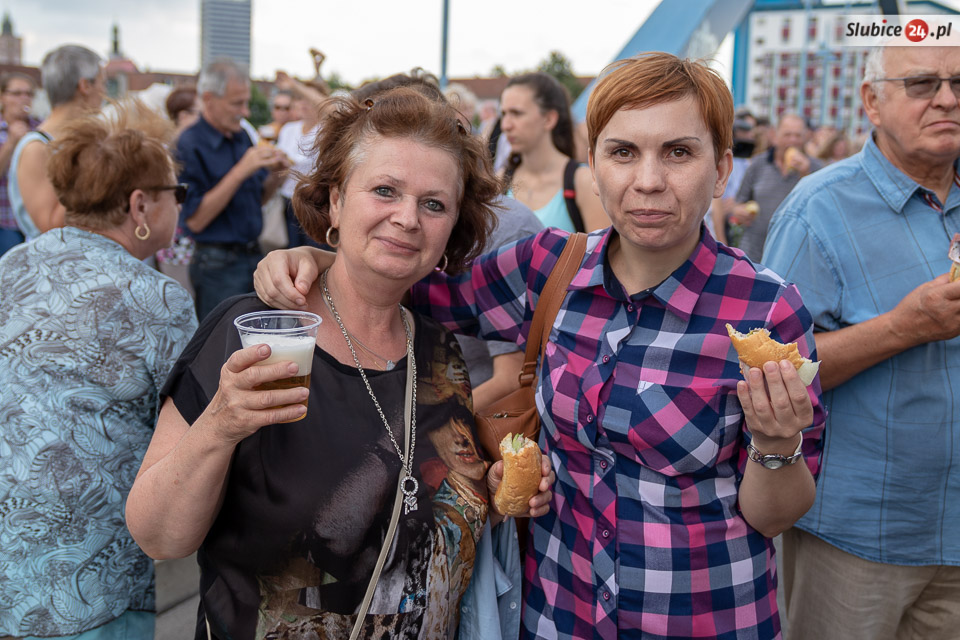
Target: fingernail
{"points": [[263, 350], [293, 368], [770, 367], [785, 365]]}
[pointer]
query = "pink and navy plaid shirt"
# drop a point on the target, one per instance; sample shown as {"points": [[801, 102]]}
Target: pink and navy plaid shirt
{"points": [[642, 423]]}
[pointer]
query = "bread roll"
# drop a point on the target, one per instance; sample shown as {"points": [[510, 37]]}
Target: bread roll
{"points": [[752, 207], [521, 475], [757, 347], [954, 254], [789, 155]]}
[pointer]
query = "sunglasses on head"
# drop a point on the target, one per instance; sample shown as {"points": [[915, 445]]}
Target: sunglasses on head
{"points": [[179, 191], [924, 87]]}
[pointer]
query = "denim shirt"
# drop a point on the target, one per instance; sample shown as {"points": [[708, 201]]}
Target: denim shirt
{"points": [[490, 608], [856, 238]]}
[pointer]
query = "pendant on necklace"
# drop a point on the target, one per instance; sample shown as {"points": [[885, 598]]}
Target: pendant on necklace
{"points": [[390, 365], [409, 493]]}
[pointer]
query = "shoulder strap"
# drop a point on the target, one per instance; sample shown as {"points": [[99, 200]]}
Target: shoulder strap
{"points": [[551, 299], [43, 134], [395, 517], [570, 194]]}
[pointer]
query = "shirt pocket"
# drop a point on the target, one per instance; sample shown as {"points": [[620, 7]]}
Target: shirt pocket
{"points": [[683, 430]]}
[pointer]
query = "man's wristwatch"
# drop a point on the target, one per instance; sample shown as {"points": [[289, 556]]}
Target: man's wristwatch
{"points": [[774, 461]]}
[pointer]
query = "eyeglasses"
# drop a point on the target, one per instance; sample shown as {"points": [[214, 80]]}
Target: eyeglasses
{"points": [[282, 107], [924, 87], [19, 94], [179, 191]]}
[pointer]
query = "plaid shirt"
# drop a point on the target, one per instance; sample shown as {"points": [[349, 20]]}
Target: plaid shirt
{"points": [[642, 423], [7, 221]]}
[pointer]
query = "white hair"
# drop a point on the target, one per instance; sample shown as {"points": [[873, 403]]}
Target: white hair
{"points": [[63, 69], [216, 74]]}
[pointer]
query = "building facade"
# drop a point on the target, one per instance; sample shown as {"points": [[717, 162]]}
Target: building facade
{"points": [[789, 57], [11, 46], [225, 30]]}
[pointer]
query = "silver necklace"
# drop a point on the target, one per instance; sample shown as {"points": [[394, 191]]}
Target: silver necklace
{"points": [[388, 364], [409, 486]]}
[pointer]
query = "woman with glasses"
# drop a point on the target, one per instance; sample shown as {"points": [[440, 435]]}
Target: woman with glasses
{"points": [[16, 99], [88, 333]]}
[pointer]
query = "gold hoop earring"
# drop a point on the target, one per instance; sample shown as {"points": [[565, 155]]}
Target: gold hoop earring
{"points": [[445, 263], [146, 232], [330, 243]]}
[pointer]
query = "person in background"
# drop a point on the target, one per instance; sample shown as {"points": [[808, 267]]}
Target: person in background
{"points": [[229, 180], [674, 472], [74, 81], [865, 240], [537, 124], [281, 112], [296, 142], [726, 228], [16, 98], [464, 101], [88, 334], [768, 180], [835, 148], [183, 107]]}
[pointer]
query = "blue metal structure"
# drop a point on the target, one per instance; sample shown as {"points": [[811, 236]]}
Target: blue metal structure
{"points": [[689, 29]]}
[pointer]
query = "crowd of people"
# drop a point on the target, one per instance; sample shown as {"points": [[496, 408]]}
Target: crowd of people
{"points": [[419, 228]]}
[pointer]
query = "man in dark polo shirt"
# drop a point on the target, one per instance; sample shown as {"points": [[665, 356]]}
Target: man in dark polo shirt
{"points": [[229, 178]]}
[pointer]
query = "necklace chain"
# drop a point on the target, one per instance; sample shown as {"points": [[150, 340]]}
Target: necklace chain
{"points": [[406, 463], [388, 363]]}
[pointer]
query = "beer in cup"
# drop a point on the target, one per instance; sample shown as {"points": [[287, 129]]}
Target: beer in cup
{"points": [[291, 336]]}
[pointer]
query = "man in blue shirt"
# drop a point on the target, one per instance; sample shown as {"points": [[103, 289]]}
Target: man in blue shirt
{"points": [[865, 240], [229, 178]]}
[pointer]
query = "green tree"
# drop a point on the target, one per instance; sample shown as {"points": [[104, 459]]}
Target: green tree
{"points": [[557, 65], [259, 106], [498, 71], [335, 82]]}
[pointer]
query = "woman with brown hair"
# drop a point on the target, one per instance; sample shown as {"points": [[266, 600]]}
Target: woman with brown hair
{"points": [[538, 125], [290, 517], [88, 333]]}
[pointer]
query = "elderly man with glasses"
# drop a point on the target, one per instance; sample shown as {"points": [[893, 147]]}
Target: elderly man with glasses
{"points": [[865, 240]]}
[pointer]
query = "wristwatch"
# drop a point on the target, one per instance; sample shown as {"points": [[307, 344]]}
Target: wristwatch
{"points": [[774, 461]]}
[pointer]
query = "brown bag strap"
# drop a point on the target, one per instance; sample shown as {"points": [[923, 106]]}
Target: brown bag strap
{"points": [[549, 303]]}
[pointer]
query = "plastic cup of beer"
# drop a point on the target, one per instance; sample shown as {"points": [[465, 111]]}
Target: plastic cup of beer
{"points": [[291, 336]]}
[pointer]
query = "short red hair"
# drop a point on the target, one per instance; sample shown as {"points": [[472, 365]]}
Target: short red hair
{"points": [[657, 77]]}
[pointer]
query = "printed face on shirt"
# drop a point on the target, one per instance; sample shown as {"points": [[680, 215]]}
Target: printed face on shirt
{"points": [[16, 99], [225, 112], [523, 122], [656, 173], [396, 210], [911, 129], [455, 447]]}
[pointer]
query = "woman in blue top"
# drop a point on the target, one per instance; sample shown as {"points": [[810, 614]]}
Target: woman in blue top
{"points": [[537, 123], [88, 333]]}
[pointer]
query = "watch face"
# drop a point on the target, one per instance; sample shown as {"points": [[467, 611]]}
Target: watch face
{"points": [[773, 462]]}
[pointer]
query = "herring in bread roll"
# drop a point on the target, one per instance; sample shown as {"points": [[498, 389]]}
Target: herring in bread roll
{"points": [[757, 347], [789, 156], [521, 475], [954, 255]]}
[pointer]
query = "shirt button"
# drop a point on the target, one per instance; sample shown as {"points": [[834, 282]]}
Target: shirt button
{"points": [[590, 418], [606, 359], [606, 533], [513, 605], [630, 308], [606, 595], [603, 464]]}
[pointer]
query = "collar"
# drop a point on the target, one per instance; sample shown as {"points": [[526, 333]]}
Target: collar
{"points": [[679, 293], [894, 186], [210, 134]]}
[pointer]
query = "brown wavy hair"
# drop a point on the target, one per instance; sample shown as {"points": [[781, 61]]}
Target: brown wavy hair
{"points": [[99, 159], [655, 78], [400, 113]]}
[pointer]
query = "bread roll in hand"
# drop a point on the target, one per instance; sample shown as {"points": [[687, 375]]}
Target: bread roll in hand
{"points": [[521, 475], [757, 347]]}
